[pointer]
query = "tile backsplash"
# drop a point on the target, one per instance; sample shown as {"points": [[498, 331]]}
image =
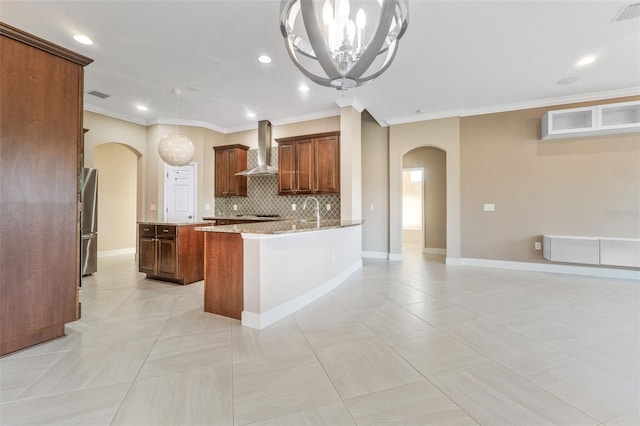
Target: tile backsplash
{"points": [[262, 197]]}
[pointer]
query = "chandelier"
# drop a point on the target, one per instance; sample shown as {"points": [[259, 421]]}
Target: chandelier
{"points": [[343, 43], [176, 150]]}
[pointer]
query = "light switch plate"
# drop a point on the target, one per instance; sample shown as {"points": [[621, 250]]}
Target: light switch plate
{"points": [[489, 207], [153, 207], [293, 207], [207, 207]]}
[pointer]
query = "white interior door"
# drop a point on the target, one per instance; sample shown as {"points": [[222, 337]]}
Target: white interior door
{"points": [[180, 195]]}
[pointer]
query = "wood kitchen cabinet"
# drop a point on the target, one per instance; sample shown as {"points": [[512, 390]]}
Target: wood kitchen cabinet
{"points": [[171, 252], [41, 133], [229, 160], [309, 164]]}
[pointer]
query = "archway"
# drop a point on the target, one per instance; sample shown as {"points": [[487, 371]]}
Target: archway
{"points": [[118, 189]]}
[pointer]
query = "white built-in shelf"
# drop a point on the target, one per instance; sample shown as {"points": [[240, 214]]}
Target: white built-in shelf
{"points": [[623, 117]]}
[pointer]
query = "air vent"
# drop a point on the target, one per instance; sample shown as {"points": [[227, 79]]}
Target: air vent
{"points": [[630, 11], [98, 94]]}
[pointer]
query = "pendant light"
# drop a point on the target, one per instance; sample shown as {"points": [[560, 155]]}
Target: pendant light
{"points": [[343, 43], [176, 149]]}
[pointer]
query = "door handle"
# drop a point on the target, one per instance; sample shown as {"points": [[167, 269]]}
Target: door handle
{"points": [[190, 217]]}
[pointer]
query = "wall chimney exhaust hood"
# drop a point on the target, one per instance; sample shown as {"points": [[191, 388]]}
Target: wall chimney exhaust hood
{"points": [[264, 153]]}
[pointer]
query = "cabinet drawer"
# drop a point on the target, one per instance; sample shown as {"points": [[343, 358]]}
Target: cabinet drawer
{"points": [[163, 230], [147, 230]]}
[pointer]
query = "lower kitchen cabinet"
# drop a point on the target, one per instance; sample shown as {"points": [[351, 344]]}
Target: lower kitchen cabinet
{"points": [[171, 252]]}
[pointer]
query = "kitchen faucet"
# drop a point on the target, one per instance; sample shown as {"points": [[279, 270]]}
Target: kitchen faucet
{"points": [[304, 207]]}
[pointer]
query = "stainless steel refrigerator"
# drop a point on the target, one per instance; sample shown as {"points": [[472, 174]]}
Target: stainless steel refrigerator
{"points": [[89, 254]]}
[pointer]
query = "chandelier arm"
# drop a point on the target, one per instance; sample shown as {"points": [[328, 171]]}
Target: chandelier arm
{"points": [[384, 67], [374, 47], [315, 39], [316, 79]]}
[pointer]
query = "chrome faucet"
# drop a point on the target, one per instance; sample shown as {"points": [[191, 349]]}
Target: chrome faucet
{"points": [[304, 207]]}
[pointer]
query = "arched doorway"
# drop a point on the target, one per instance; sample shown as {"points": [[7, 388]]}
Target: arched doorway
{"points": [[117, 166], [424, 200]]}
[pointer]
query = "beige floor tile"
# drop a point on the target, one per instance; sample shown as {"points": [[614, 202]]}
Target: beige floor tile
{"points": [[365, 366], [417, 403], [278, 339], [330, 415], [439, 313], [94, 406], [118, 332], [539, 328], [390, 319], [336, 331], [403, 294], [619, 360], [186, 353], [279, 385], [489, 339], [18, 373], [144, 306], [196, 321], [492, 395], [591, 390], [200, 397], [431, 352], [632, 418], [91, 367]]}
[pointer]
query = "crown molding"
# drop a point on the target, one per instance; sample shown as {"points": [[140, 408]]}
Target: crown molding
{"points": [[108, 113], [187, 123], [352, 102], [538, 103]]}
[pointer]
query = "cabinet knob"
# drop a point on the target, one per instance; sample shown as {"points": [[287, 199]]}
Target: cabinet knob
{"points": [[165, 230]]}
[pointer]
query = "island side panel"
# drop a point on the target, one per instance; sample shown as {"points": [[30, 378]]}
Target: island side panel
{"points": [[191, 253], [223, 274]]}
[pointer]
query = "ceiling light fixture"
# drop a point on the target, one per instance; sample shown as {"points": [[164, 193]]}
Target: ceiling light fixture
{"points": [[251, 115], [177, 149], [343, 43], [264, 59], [303, 88], [142, 108], [83, 39], [586, 61]]}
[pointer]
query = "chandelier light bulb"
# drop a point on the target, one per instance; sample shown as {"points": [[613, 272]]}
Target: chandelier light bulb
{"points": [[343, 43], [176, 150]]}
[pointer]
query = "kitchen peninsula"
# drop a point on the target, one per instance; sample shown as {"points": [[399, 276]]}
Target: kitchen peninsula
{"points": [[261, 272]]}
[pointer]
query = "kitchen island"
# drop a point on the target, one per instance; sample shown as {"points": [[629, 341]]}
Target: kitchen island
{"points": [[261, 272]]}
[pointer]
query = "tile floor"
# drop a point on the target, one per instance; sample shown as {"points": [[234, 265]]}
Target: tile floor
{"points": [[413, 343]]}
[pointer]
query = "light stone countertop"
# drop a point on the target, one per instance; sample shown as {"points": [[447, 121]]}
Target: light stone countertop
{"points": [[168, 223], [281, 226]]}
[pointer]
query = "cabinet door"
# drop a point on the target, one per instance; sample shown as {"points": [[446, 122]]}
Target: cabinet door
{"points": [[222, 173], [237, 163], [147, 256], [327, 165], [167, 257], [305, 166], [286, 169]]}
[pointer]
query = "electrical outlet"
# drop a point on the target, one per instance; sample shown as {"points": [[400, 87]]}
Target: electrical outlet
{"points": [[293, 207], [537, 245], [371, 206], [328, 207], [153, 207], [235, 207], [207, 207], [489, 207]]}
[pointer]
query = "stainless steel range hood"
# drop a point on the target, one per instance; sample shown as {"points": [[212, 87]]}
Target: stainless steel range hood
{"points": [[264, 153]]}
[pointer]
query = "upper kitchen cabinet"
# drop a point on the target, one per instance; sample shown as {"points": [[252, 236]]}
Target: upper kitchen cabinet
{"points": [[41, 132], [309, 164], [229, 160]]}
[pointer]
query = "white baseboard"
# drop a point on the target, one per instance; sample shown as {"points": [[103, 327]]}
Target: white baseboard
{"points": [[433, 250], [627, 274], [260, 321], [375, 254], [116, 252], [395, 256]]}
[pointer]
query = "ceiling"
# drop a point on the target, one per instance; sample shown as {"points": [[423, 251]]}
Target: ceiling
{"points": [[456, 58]]}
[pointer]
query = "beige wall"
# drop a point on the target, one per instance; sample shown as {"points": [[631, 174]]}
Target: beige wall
{"points": [[433, 161], [443, 134], [117, 177], [375, 187], [582, 186], [350, 163]]}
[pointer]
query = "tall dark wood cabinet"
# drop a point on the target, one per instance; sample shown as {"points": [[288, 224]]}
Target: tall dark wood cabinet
{"points": [[41, 88], [229, 160], [309, 164]]}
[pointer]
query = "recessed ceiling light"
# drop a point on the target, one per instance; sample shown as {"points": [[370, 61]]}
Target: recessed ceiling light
{"points": [[303, 88], [251, 115], [142, 108], [586, 61], [264, 59], [80, 38]]}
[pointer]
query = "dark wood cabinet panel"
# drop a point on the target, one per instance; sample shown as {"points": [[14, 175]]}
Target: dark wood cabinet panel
{"points": [[224, 275], [171, 252], [229, 160], [41, 134], [309, 164]]}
